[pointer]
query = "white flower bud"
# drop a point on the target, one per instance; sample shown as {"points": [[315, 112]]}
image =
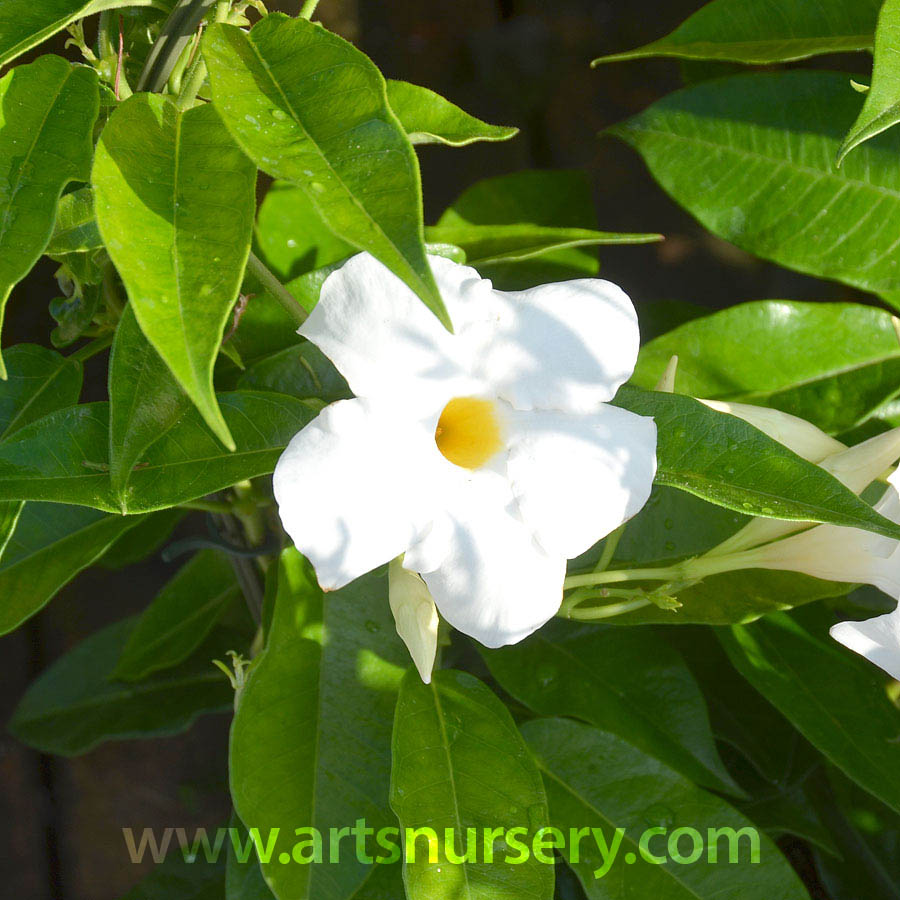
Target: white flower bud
{"points": [[795, 433], [415, 616]]}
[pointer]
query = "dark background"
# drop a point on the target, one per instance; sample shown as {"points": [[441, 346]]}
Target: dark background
{"points": [[521, 62]]}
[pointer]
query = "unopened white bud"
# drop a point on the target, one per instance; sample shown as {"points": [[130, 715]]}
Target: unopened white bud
{"points": [[415, 616], [804, 438]]}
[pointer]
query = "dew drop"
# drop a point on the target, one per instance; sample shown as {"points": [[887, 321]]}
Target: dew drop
{"points": [[372, 626], [658, 814]]}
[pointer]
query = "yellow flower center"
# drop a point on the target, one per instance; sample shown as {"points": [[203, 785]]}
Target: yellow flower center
{"points": [[468, 432]]}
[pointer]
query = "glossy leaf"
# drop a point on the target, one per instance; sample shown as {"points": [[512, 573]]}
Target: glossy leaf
{"points": [[350, 154], [730, 463], [180, 617], [547, 199], [491, 244], [835, 699], [595, 779], [64, 456], [76, 229], [49, 546], [311, 738], [291, 234], [611, 678], [881, 108], [145, 401], [460, 763], [25, 23], [175, 201], [428, 118], [75, 705], [300, 371], [832, 364], [49, 108], [766, 31], [752, 157]]}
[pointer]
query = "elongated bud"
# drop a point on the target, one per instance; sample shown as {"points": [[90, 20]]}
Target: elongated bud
{"points": [[666, 383], [804, 438], [415, 616], [855, 467]]}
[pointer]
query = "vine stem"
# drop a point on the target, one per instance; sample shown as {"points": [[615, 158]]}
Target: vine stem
{"points": [[308, 8], [98, 345], [607, 612], [290, 303]]}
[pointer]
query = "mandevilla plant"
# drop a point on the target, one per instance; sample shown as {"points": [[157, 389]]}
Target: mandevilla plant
{"points": [[439, 473]]}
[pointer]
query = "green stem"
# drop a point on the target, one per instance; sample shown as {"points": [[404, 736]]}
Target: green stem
{"points": [[607, 612], [609, 549], [669, 573], [277, 289], [196, 73], [104, 42], [308, 8], [98, 345]]}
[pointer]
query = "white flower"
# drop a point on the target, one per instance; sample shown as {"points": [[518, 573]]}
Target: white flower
{"points": [[878, 640], [488, 457]]}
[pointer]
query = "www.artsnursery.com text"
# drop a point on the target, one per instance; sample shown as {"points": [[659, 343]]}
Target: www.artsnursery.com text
{"points": [[658, 845]]}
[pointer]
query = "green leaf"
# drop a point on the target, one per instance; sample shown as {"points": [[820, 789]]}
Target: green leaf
{"points": [[766, 31], [595, 779], [25, 23], [836, 699], [75, 705], [49, 108], [867, 834], [180, 617], [730, 463], [64, 457], [487, 245], [350, 154], [459, 764], [175, 879], [39, 381], [291, 235], [881, 108], [175, 200], [300, 371], [76, 229], [145, 401], [310, 744], [752, 157], [428, 118], [243, 877], [49, 546], [832, 364], [547, 199], [611, 678], [142, 541]]}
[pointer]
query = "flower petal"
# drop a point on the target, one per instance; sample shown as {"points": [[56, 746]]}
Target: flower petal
{"points": [[356, 487], [577, 478], [878, 640], [384, 340], [566, 346], [488, 576]]}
